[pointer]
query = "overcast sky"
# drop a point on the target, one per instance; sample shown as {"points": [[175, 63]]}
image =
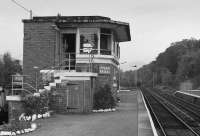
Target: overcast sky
{"points": [[154, 24]]}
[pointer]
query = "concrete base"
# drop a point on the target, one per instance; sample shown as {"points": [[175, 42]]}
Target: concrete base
{"points": [[15, 108]]}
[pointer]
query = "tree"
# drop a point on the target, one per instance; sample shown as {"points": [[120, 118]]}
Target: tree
{"points": [[8, 67], [178, 63]]}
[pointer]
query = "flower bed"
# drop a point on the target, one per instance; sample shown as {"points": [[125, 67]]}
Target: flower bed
{"points": [[34, 107], [104, 110], [11, 131], [34, 116], [24, 125]]}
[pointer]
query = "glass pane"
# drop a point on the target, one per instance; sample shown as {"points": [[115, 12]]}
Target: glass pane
{"points": [[88, 40], [105, 31], [105, 44]]}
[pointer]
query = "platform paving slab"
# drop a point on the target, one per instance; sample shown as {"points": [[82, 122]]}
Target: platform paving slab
{"points": [[123, 122]]}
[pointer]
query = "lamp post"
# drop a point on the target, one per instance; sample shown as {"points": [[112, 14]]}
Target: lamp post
{"points": [[36, 78], [120, 72], [135, 66]]}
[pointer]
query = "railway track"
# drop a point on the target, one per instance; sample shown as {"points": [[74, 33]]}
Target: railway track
{"points": [[169, 119], [187, 107]]}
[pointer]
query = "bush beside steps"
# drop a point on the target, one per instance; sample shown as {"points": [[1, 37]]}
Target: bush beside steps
{"points": [[104, 100]]}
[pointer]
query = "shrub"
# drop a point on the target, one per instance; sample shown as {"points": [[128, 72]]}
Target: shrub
{"points": [[103, 98], [35, 104]]}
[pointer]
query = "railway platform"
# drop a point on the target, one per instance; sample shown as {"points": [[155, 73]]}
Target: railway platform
{"points": [[145, 123], [192, 93]]}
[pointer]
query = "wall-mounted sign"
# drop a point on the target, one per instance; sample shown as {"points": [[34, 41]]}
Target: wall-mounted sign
{"points": [[104, 70], [87, 50], [87, 47]]}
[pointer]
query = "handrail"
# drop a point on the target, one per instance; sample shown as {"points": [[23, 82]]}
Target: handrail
{"points": [[27, 91], [92, 52], [75, 65], [30, 86], [22, 89], [68, 59], [95, 51]]}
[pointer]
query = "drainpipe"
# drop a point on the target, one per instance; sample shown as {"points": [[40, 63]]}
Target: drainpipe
{"points": [[56, 47]]}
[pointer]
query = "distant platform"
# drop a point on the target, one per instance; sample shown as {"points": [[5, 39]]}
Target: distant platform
{"points": [[124, 90], [192, 96], [193, 93]]}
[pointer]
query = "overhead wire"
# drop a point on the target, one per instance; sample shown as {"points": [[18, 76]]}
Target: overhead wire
{"points": [[26, 9]]}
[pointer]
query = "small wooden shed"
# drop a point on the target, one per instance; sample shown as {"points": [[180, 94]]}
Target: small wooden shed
{"points": [[74, 94]]}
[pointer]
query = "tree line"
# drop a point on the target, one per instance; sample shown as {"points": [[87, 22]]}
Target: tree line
{"points": [[179, 63]]}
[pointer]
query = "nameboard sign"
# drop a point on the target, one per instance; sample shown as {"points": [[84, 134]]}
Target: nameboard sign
{"points": [[104, 70]]}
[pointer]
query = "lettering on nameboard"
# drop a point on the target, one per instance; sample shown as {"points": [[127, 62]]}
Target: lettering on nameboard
{"points": [[104, 70]]}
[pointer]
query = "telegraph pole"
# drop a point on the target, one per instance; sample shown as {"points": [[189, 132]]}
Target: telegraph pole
{"points": [[154, 78], [21, 6], [120, 73]]}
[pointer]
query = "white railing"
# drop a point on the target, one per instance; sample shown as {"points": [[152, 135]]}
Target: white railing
{"points": [[68, 62]]}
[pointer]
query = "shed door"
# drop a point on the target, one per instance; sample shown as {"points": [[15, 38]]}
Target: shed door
{"points": [[73, 95]]}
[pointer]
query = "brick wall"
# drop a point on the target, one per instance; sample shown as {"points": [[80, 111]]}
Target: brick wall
{"points": [[15, 109], [39, 48], [103, 79]]}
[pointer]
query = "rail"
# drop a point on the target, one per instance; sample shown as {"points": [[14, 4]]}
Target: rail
{"points": [[18, 85], [173, 110], [190, 108], [68, 61], [155, 116], [95, 51]]}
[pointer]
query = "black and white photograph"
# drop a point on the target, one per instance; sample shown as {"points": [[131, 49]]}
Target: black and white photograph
{"points": [[100, 68]]}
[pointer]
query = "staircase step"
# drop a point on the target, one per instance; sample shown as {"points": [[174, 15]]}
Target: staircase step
{"points": [[58, 81], [47, 88], [52, 84], [41, 90], [47, 71]]}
